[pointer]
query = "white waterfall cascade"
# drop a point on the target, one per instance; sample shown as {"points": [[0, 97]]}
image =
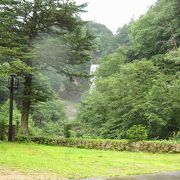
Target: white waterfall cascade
{"points": [[93, 69]]}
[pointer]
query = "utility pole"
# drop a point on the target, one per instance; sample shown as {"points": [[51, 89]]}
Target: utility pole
{"points": [[12, 84]]}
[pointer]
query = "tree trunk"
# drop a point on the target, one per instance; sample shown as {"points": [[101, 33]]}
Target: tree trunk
{"points": [[26, 102]]}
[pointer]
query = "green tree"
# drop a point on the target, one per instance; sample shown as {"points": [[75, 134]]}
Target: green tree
{"points": [[139, 94], [110, 64], [158, 31], [22, 22], [105, 41], [49, 117], [122, 36]]}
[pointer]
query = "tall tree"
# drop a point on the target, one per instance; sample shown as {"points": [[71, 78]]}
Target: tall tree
{"points": [[25, 21]]}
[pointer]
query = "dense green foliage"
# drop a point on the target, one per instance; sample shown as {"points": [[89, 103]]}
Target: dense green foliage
{"points": [[50, 113], [105, 42], [138, 85], [122, 35], [137, 133], [24, 26], [158, 31], [49, 117], [136, 93]]}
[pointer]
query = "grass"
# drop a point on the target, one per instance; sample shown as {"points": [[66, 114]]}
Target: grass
{"points": [[79, 163]]}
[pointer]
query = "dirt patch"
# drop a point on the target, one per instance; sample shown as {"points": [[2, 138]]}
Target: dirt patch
{"points": [[12, 174]]}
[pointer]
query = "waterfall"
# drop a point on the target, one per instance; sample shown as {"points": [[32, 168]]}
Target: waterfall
{"points": [[93, 69]]}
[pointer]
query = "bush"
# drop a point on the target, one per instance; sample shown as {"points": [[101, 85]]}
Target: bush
{"points": [[104, 144], [137, 133]]}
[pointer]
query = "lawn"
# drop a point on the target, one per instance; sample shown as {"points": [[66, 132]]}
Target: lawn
{"points": [[80, 163]]}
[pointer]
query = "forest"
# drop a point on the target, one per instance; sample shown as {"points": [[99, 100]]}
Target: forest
{"points": [[50, 49]]}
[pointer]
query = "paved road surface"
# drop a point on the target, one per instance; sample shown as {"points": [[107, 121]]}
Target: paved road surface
{"points": [[157, 176]]}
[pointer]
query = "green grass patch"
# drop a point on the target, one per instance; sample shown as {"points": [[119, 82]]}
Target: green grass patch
{"points": [[79, 163]]}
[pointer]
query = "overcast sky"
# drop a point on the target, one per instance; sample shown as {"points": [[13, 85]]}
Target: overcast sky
{"points": [[114, 13]]}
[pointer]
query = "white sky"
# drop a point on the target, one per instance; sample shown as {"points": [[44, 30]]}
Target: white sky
{"points": [[114, 13]]}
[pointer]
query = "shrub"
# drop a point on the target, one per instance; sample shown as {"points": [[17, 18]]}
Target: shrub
{"points": [[137, 133], [23, 139], [104, 144]]}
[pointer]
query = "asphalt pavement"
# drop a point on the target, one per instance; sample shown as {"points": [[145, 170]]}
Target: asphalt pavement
{"points": [[156, 176]]}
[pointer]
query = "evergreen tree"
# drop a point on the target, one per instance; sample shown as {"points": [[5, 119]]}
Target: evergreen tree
{"points": [[22, 22]]}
